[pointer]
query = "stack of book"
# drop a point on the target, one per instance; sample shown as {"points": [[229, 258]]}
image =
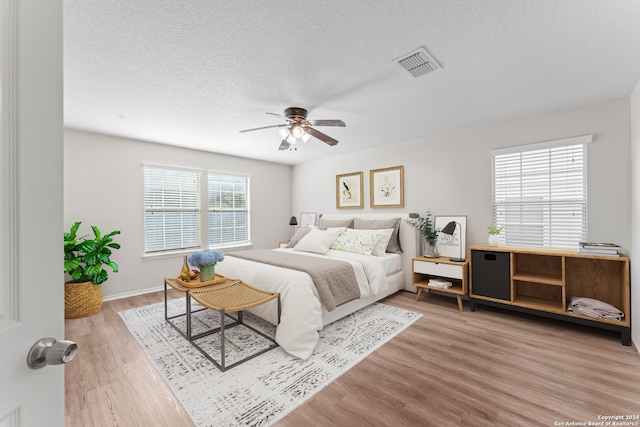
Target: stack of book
{"points": [[594, 248], [439, 283]]}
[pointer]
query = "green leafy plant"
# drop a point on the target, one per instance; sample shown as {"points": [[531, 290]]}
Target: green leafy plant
{"points": [[495, 229], [424, 225], [84, 259]]}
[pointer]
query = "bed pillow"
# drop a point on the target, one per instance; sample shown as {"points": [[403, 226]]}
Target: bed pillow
{"points": [[323, 224], [357, 241], [380, 248], [318, 241], [382, 224], [300, 233]]}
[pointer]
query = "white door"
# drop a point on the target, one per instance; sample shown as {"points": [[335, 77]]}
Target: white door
{"points": [[31, 225]]}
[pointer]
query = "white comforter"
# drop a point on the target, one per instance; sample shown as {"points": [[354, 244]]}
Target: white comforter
{"points": [[301, 316]]}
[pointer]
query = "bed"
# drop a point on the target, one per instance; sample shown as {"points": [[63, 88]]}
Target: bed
{"points": [[306, 308]]}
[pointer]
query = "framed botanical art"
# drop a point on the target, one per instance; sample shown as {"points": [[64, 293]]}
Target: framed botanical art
{"points": [[452, 245], [387, 187], [307, 219], [349, 191]]}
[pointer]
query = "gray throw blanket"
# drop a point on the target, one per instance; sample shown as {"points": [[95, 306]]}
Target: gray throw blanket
{"points": [[335, 280], [594, 308]]}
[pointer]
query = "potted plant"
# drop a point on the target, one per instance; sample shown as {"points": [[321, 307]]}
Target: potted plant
{"points": [[494, 232], [206, 260], [425, 227], [84, 261]]}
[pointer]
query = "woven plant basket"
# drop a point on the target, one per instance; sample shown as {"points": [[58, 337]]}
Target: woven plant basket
{"points": [[81, 299]]}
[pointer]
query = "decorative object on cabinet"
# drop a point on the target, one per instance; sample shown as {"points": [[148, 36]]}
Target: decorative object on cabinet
{"points": [[308, 219], [452, 245], [387, 187], [441, 274], [425, 228], [494, 234], [597, 248], [349, 190], [543, 281]]}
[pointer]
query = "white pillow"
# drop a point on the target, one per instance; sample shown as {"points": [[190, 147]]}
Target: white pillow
{"points": [[318, 241], [380, 248], [358, 241]]}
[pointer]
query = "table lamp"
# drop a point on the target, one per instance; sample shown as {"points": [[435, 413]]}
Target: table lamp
{"points": [[293, 222]]}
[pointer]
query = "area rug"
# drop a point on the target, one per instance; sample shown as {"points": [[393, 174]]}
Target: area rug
{"points": [[262, 390]]}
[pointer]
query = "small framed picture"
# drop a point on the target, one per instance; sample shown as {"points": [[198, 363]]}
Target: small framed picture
{"points": [[349, 191], [308, 219], [452, 245], [387, 187]]}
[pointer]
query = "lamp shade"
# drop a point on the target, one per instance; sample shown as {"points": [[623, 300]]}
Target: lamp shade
{"points": [[293, 221], [449, 228]]}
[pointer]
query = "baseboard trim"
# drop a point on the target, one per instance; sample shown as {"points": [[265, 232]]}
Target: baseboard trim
{"points": [[133, 294]]}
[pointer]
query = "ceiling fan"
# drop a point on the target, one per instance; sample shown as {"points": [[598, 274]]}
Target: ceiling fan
{"points": [[299, 129]]}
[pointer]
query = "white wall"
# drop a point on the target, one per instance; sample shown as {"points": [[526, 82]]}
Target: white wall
{"points": [[635, 214], [103, 186], [450, 174]]}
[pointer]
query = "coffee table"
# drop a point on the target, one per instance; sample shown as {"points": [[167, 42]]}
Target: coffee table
{"points": [[230, 296]]}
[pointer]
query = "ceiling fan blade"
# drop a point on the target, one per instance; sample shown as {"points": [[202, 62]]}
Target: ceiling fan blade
{"points": [[321, 136], [284, 145], [327, 123], [263, 127], [279, 116]]}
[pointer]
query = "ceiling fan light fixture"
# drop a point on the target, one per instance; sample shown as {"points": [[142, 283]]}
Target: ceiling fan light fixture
{"points": [[297, 131]]}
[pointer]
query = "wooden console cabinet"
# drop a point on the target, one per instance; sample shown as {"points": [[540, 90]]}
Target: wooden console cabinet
{"points": [[541, 281]]}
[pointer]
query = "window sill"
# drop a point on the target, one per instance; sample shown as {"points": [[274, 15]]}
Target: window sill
{"points": [[173, 254]]}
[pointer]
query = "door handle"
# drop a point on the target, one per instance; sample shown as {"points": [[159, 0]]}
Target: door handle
{"points": [[48, 351]]}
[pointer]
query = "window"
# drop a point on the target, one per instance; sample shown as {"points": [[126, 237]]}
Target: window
{"points": [[539, 193], [177, 219], [171, 209], [228, 209]]}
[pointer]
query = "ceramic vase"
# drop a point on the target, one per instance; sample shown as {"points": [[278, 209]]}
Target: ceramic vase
{"points": [[207, 272], [494, 239]]}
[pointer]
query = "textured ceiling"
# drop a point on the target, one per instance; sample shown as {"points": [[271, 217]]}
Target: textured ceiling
{"points": [[194, 73]]}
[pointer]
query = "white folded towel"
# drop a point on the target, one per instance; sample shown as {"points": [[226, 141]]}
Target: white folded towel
{"points": [[594, 308]]}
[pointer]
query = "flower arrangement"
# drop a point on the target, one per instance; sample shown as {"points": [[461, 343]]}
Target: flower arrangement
{"points": [[424, 225], [495, 229], [205, 257]]}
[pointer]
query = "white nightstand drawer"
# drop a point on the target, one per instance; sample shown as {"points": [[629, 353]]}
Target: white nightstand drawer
{"points": [[438, 269]]}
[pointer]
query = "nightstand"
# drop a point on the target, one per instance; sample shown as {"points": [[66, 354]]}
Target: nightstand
{"points": [[457, 273]]}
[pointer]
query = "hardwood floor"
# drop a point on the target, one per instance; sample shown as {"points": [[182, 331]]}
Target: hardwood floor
{"points": [[486, 368]]}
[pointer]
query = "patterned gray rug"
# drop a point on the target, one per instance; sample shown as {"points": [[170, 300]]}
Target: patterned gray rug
{"points": [[262, 390]]}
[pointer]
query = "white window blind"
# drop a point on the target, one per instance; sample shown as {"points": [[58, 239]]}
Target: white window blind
{"points": [[539, 193], [171, 209], [228, 209]]}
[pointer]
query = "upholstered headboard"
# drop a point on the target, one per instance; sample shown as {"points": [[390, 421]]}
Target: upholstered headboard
{"points": [[408, 239]]}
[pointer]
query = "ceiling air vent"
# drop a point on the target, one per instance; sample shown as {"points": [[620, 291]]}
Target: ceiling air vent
{"points": [[418, 62]]}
